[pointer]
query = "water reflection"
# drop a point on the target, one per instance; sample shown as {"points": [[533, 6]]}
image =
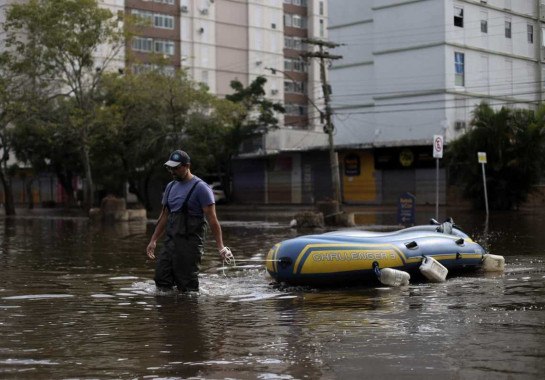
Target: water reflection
{"points": [[77, 301]]}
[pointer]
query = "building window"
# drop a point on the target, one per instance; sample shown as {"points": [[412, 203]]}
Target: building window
{"points": [[484, 26], [148, 45], [170, 2], [459, 17], [484, 22], [157, 20], [294, 87], [322, 28], [164, 47], [301, 3], [507, 29], [294, 109], [295, 21], [163, 21], [459, 125], [530, 33], [321, 8], [147, 67], [459, 69], [294, 43], [298, 65], [142, 44]]}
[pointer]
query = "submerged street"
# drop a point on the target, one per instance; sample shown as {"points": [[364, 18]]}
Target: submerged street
{"points": [[77, 300]]}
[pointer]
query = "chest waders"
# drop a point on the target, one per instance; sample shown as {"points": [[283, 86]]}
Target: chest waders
{"points": [[179, 262]]}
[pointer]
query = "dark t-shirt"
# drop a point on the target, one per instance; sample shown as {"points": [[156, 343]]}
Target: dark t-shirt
{"points": [[177, 191]]}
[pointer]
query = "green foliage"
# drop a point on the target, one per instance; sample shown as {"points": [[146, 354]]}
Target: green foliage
{"points": [[259, 112], [514, 141], [53, 45], [152, 114], [76, 117]]}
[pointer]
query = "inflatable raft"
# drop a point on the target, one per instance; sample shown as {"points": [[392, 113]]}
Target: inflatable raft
{"points": [[352, 256]]}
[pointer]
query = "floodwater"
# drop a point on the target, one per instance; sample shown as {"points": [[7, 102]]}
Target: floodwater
{"points": [[77, 302]]}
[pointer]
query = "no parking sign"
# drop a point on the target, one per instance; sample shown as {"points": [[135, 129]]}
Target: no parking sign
{"points": [[437, 154], [437, 146]]}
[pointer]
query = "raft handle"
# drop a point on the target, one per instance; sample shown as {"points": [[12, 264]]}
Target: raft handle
{"points": [[285, 262], [411, 245], [460, 241], [376, 268]]}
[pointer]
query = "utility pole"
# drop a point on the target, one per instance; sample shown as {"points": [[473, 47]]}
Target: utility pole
{"points": [[329, 127]]}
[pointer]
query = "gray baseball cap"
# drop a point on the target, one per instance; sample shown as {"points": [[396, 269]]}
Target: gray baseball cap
{"points": [[178, 157]]}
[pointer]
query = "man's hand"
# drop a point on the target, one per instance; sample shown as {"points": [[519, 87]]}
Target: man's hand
{"points": [[150, 250], [226, 255]]}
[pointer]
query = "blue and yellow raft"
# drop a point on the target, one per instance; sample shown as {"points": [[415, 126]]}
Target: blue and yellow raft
{"points": [[351, 256]]}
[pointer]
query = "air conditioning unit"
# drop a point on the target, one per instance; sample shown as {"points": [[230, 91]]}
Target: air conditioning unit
{"points": [[204, 12], [274, 91], [184, 9]]}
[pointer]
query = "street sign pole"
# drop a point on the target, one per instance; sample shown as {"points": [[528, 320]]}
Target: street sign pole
{"points": [[437, 154], [482, 160], [437, 189]]}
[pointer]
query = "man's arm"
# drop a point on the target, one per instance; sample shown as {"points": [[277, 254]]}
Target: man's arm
{"points": [[210, 213], [159, 230]]}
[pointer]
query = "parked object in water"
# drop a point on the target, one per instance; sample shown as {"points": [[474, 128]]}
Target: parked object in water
{"points": [[353, 256], [219, 194]]}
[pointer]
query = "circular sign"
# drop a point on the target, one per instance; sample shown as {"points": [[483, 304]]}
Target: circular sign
{"points": [[438, 146], [406, 157]]}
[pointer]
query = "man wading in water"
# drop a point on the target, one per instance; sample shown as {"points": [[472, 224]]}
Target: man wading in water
{"points": [[188, 203]]}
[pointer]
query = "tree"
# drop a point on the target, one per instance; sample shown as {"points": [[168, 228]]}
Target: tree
{"points": [[7, 97], [259, 116], [514, 141], [152, 114], [257, 119], [56, 43]]}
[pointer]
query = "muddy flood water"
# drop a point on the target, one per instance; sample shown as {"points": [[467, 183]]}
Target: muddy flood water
{"points": [[77, 301]]}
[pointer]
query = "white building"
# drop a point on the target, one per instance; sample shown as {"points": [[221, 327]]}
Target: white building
{"points": [[412, 69]]}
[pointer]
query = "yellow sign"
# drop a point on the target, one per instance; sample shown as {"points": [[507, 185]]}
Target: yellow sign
{"points": [[406, 157], [482, 157]]}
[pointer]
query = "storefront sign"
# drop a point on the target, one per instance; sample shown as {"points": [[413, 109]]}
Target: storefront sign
{"points": [[406, 209], [352, 165]]}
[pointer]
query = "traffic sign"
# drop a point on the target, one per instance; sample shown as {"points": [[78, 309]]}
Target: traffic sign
{"points": [[482, 157], [437, 146]]}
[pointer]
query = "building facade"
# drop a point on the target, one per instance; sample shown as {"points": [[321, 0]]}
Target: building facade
{"points": [[412, 69], [223, 40], [217, 41]]}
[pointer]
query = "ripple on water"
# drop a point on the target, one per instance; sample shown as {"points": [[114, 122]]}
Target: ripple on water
{"points": [[38, 296]]}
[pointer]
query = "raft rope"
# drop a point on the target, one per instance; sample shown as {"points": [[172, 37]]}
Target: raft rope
{"points": [[228, 258]]}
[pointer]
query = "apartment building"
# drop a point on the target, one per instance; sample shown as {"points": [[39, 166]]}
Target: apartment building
{"points": [[415, 69], [217, 41], [222, 40]]}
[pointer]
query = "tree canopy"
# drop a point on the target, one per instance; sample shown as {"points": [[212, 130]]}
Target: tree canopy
{"points": [[514, 141], [62, 48]]}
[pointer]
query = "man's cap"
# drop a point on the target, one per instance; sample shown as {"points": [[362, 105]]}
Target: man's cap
{"points": [[178, 157]]}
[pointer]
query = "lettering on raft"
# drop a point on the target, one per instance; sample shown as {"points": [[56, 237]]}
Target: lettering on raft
{"points": [[351, 256]]}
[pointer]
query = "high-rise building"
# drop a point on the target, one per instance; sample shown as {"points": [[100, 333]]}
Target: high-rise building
{"points": [[217, 41], [415, 69], [223, 40]]}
